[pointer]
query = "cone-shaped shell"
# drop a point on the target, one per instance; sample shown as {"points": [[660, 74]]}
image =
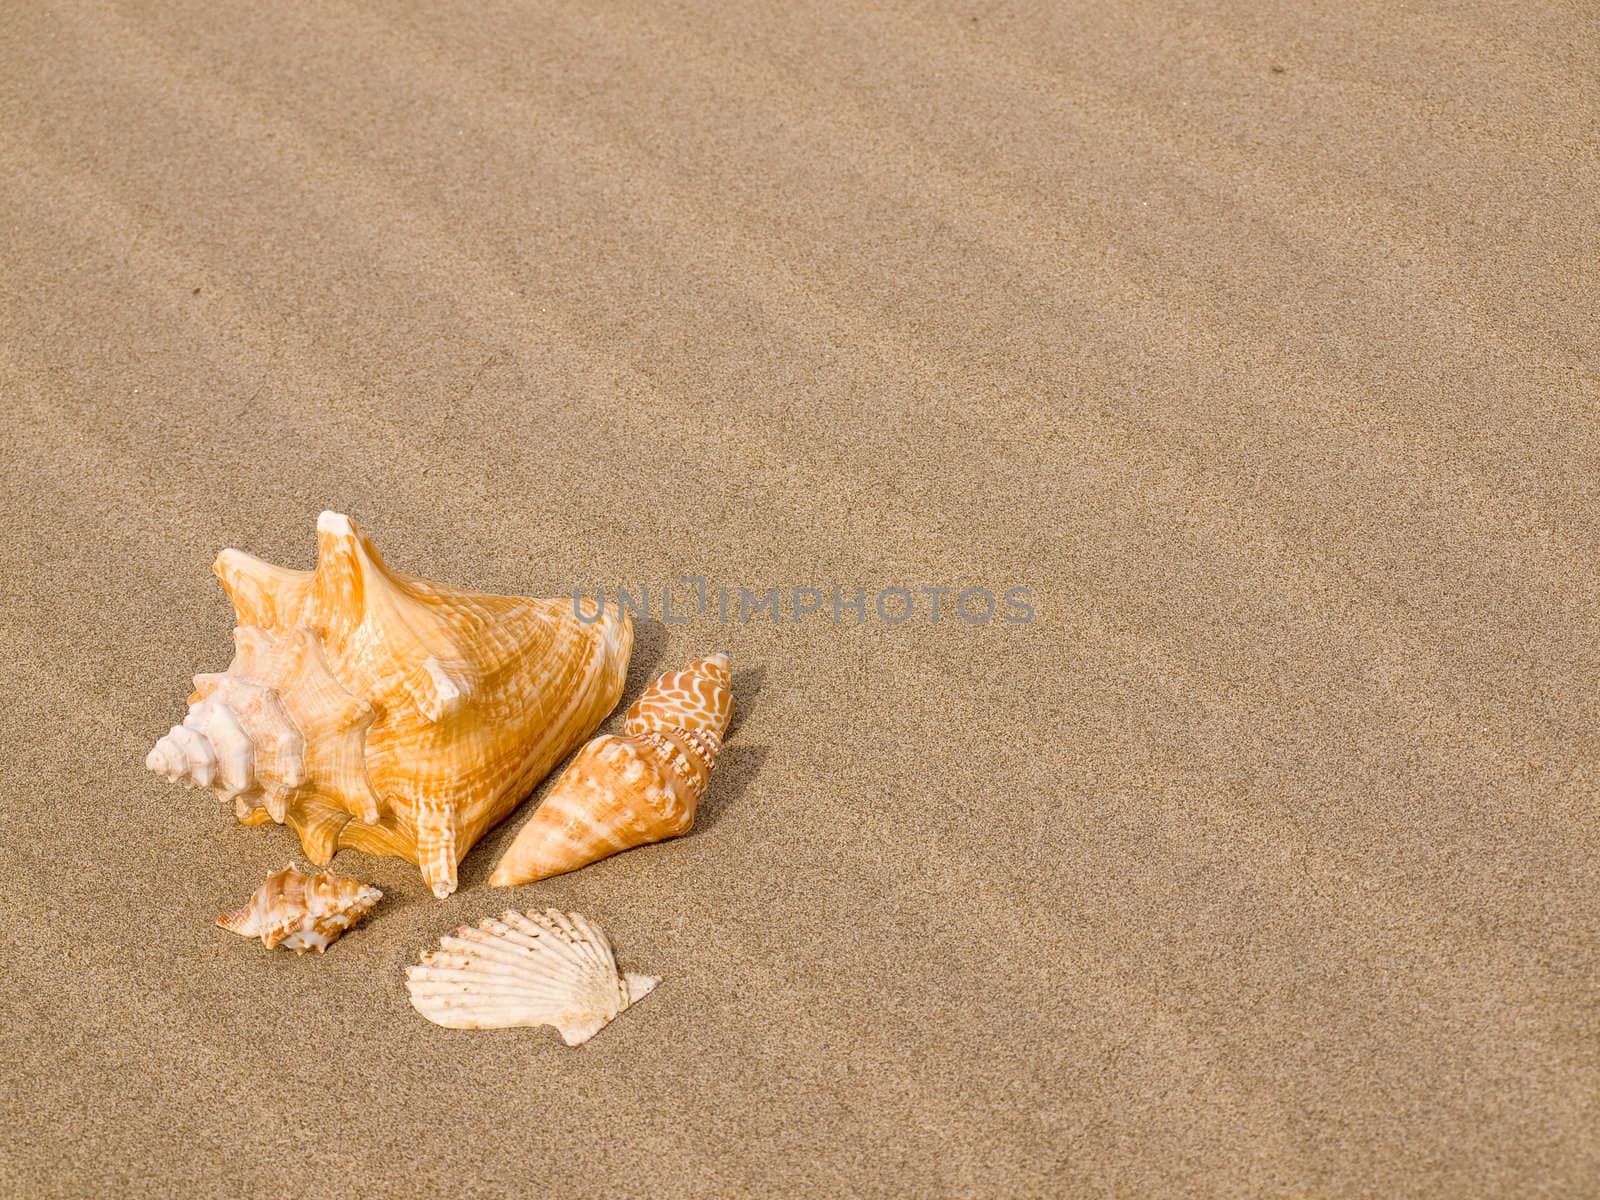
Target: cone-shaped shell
{"points": [[374, 710], [302, 912], [542, 968], [627, 791]]}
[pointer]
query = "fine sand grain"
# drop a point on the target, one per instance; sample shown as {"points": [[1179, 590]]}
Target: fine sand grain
{"points": [[1259, 342]]}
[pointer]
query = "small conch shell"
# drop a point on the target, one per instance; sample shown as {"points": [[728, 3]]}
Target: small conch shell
{"points": [[303, 912], [548, 968], [375, 710], [627, 791]]}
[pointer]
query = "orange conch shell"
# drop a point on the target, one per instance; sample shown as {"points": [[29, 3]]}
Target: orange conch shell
{"points": [[627, 791], [304, 912], [373, 710]]}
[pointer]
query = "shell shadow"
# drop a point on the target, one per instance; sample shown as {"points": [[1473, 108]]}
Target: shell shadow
{"points": [[649, 644], [747, 685], [736, 769], [479, 864]]}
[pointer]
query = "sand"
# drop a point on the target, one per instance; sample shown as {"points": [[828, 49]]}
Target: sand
{"points": [[1257, 343]]}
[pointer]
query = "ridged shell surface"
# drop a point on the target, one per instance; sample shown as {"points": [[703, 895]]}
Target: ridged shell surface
{"points": [[540, 968], [302, 912], [373, 710]]}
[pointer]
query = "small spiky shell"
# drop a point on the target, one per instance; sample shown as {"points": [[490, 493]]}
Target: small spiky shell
{"points": [[627, 791], [379, 711], [302, 912], [541, 968]]}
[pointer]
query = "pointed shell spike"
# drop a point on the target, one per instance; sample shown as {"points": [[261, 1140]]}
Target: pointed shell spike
{"points": [[540, 968], [627, 791], [302, 912], [264, 596], [377, 711]]}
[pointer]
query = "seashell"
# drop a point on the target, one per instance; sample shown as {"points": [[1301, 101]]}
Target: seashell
{"points": [[627, 791], [548, 968], [304, 912], [372, 710]]}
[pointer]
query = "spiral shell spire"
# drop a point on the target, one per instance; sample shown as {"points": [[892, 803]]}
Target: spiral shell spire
{"points": [[627, 791], [374, 710]]}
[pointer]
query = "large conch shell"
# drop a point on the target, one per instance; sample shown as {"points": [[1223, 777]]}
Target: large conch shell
{"points": [[372, 710], [642, 787], [304, 912], [548, 968]]}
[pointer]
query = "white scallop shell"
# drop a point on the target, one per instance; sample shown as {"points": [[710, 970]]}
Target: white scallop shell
{"points": [[542, 968]]}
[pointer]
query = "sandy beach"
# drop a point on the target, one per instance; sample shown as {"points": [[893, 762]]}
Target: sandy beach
{"points": [[1256, 344]]}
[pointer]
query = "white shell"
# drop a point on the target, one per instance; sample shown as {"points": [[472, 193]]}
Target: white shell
{"points": [[542, 968], [302, 912]]}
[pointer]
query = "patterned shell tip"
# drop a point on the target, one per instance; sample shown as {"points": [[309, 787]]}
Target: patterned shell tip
{"points": [[634, 789]]}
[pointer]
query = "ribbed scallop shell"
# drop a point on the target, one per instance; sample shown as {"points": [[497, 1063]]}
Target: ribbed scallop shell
{"points": [[303, 912], [541, 968], [627, 791], [374, 710]]}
